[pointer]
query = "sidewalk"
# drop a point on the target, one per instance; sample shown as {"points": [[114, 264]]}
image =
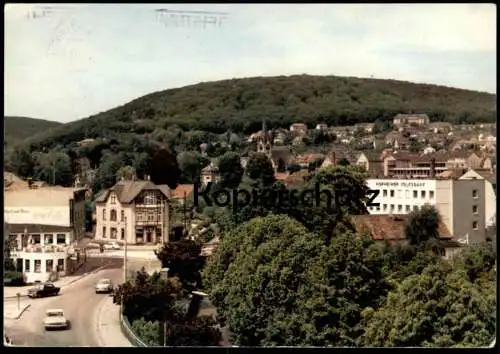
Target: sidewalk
{"points": [[12, 311], [10, 292], [108, 325]]}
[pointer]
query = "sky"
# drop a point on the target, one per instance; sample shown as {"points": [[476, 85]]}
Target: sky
{"points": [[67, 62]]}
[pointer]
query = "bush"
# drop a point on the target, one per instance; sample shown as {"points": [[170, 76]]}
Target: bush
{"points": [[148, 331], [13, 278]]}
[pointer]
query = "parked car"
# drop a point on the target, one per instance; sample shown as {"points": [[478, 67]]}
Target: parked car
{"points": [[43, 290], [116, 246], [55, 319], [104, 286]]}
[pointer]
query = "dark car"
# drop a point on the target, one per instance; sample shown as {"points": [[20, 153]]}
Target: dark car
{"points": [[43, 290]]}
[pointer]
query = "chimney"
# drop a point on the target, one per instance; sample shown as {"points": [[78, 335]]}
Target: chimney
{"points": [[433, 168]]}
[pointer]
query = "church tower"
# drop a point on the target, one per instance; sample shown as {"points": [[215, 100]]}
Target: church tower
{"points": [[264, 143]]}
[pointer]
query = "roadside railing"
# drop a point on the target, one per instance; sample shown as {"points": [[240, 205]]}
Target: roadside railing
{"points": [[127, 331]]}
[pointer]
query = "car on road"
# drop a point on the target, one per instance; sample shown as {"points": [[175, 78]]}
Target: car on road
{"points": [[112, 246], [43, 290], [104, 286], [55, 319]]}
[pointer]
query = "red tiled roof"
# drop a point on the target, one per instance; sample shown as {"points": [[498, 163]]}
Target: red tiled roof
{"points": [[390, 227], [181, 191], [280, 176]]}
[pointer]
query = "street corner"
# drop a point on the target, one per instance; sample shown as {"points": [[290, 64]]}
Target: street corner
{"points": [[14, 311]]}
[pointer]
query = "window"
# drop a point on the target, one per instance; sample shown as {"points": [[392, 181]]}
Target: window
{"points": [[407, 194], [385, 207], [392, 193], [384, 192], [27, 265], [400, 207], [36, 238], [112, 215], [422, 194], [415, 194], [149, 198], [61, 238], [378, 208], [122, 215], [104, 232], [49, 265], [431, 194], [474, 225], [123, 234], [113, 199], [392, 207], [49, 239], [400, 193], [114, 233], [415, 207], [38, 266], [407, 208], [60, 265], [474, 209], [475, 194], [104, 214]]}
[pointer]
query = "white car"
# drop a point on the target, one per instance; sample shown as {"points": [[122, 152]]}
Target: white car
{"points": [[104, 286], [55, 319], [112, 246]]}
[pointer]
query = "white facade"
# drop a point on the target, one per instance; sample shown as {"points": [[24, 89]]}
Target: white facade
{"points": [[461, 203], [490, 197], [43, 215], [42, 225]]}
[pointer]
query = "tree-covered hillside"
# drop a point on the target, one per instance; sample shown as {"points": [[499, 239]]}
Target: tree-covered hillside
{"points": [[17, 129], [242, 104]]}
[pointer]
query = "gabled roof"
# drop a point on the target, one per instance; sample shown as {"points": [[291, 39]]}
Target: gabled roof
{"points": [[373, 156], [128, 190], [389, 227]]}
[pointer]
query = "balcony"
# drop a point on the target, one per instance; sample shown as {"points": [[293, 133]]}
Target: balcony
{"points": [[44, 249]]}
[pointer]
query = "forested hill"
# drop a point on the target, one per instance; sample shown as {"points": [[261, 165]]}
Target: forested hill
{"points": [[241, 105], [17, 129]]}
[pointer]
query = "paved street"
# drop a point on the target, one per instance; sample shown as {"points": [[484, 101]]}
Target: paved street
{"points": [[81, 306]]}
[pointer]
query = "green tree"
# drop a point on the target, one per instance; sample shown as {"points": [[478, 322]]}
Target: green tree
{"points": [[184, 261], [126, 173], [164, 168], [54, 167], [259, 168], [439, 308], [21, 162], [476, 260], [422, 226], [8, 245], [230, 170], [191, 163], [254, 277]]}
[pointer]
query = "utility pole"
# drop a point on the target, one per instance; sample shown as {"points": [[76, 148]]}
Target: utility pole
{"points": [[125, 252]]}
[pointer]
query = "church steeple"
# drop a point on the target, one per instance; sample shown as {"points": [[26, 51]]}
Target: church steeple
{"points": [[264, 128]]}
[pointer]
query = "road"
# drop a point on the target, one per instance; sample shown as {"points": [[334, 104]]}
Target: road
{"points": [[79, 302]]}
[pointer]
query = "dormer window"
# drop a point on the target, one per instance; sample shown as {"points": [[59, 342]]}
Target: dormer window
{"points": [[149, 198], [113, 199]]}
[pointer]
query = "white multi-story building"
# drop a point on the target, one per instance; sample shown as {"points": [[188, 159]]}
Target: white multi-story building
{"points": [[44, 226], [135, 212], [461, 203]]}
